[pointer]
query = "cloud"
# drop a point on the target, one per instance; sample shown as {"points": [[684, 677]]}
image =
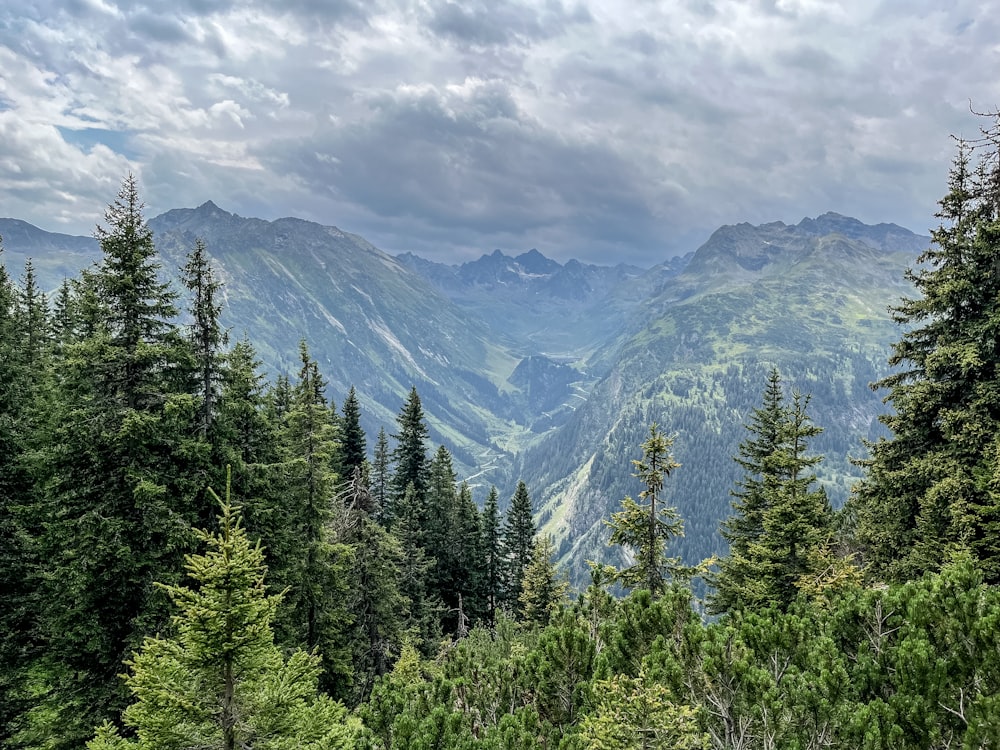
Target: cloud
{"points": [[596, 129]]}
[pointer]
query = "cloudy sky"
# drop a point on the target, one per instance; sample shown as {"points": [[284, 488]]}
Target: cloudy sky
{"points": [[605, 130]]}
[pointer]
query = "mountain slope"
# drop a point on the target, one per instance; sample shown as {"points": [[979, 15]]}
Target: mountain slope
{"points": [[807, 299], [538, 305], [369, 321]]}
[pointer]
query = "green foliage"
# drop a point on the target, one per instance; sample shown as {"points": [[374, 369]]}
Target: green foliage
{"points": [[929, 487], [220, 681], [781, 524], [635, 712], [543, 589], [646, 528], [518, 543]]}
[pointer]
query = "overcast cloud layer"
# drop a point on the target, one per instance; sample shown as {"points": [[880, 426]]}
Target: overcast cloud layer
{"points": [[599, 129]]}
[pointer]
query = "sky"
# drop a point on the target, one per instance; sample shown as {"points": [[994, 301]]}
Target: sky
{"points": [[603, 130]]}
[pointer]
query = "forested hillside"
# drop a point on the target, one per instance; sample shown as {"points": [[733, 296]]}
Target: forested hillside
{"points": [[192, 556]]}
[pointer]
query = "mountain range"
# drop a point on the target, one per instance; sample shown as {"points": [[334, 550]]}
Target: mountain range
{"points": [[551, 371]]}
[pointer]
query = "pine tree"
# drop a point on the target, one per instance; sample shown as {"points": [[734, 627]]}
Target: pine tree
{"points": [[781, 522], [221, 681], [493, 557], [647, 527], [927, 490], [206, 337], [542, 588], [308, 562], [353, 450], [381, 480], [410, 455], [518, 545]]}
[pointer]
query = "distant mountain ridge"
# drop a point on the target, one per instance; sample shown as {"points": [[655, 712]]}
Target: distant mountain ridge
{"points": [[552, 371], [811, 302], [519, 295]]}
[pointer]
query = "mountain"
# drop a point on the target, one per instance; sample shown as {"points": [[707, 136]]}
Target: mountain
{"points": [[369, 322], [54, 256], [538, 305], [552, 372], [810, 299]]}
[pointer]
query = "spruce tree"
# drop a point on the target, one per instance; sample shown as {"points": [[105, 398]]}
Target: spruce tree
{"points": [[353, 449], [492, 557], [117, 506], [927, 490], [374, 600], [220, 681], [518, 545], [646, 527], [381, 478], [206, 336], [781, 521], [410, 455], [137, 304], [308, 561], [542, 588], [439, 528]]}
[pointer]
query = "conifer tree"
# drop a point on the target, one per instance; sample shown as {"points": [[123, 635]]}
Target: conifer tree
{"points": [[138, 305], [646, 527], [206, 337], [353, 449], [781, 521], [518, 545], [467, 556], [927, 491], [220, 681], [410, 455], [33, 322], [15, 560], [439, 527], [381, 480], [493, 557], [248, 440], [542, 588], [374, 600], [118, 504], [311, 564], [423, 616]]}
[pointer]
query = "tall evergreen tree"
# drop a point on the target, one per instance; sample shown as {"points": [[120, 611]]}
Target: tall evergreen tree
{"points": [[542, 588], [206, 337], [518, 545], [117, 510], [492, 557], [646, 527], [374, 600], [138, 304], [308, 562], [439, 527], [353, 448], [927, 489], [381, 479], [410, 455], [781, 521], [15, 562]]}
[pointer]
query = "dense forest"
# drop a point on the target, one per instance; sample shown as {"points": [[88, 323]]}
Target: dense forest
{"points": [[192, 556]]}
